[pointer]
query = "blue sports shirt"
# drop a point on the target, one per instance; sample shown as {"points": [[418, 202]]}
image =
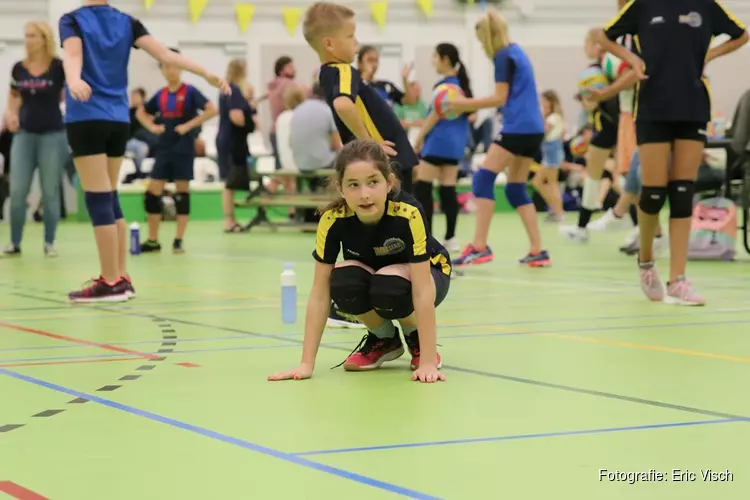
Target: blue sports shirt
{"points": [[172, 109], [448, 138], [522, 113], [107, 36]]}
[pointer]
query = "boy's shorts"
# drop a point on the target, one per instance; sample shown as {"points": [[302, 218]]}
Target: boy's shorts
{"points": [[173, 167]]}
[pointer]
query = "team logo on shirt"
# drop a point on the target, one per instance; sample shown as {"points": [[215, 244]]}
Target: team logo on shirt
{"points": [[391, 246], [694, 20]]}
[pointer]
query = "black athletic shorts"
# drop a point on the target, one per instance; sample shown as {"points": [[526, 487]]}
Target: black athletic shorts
{"points": [[442, 284], [605, 132], [524, 145], [668, 132], [170, 166], [439, 161], [97, 137]]}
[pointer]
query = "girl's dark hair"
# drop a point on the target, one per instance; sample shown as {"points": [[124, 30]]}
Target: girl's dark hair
{"points": [[357, 150], [450, 52], [364, 50]]}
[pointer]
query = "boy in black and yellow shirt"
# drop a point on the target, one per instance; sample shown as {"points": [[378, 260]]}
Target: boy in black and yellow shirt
{"points": [[358, 109]]}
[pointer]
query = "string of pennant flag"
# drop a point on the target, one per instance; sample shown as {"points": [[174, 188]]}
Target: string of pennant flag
{"points": [[291, 16]]}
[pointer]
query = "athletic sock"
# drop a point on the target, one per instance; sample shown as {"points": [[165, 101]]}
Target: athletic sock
{"points": [[385, 331], [634, 214]]}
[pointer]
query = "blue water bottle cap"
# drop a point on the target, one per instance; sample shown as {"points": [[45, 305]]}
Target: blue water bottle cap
{"points": [[288, 265]]}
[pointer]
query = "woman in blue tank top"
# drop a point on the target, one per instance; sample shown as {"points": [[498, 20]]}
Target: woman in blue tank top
{"points": [[442, 144], [96, 40], [515, 147]]}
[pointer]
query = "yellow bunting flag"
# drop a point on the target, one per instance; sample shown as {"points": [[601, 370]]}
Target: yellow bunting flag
{"points": [[148, 4], [291, 18], [245, 12], [196, 9], [425, 6], [379, 12]]}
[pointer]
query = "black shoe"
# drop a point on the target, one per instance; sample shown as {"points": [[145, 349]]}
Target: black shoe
{"points": [[338, 319], [150, 246], [177, 246]]}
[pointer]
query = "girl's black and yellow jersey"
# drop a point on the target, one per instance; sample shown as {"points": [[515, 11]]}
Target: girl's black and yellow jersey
{"points": [[400, 237], [673, 37], [340, 79]]}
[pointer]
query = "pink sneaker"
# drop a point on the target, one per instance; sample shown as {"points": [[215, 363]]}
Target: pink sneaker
{"points": [[650, 282], [373, 352], [412, 342], [681, 293]]}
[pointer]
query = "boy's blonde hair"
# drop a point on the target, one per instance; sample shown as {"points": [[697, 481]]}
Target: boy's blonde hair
{"points": [[293, 96], [323, 18], [492, 32]]}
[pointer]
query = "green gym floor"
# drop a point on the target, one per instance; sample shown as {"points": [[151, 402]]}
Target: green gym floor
{"points": [[552, 376]]}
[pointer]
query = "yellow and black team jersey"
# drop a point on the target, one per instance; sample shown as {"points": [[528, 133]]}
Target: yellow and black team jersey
{"points": [[400, 237], [607, 113], [673, 37], [339, 79]]}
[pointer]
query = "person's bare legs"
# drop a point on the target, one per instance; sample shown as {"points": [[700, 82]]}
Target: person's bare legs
{"points": [[495, 162], [518, 173], [113, 171]]}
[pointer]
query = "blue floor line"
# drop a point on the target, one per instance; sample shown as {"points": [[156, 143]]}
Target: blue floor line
{"points": [[202, 431], [523, 436]]}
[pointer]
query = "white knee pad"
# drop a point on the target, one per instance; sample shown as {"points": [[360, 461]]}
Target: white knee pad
{"points": [[590, 194]]}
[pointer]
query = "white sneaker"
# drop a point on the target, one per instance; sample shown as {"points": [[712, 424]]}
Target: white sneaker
{"points": [[49, 250], [632, 236], [608, 222], [452, 245], [575, 234]]}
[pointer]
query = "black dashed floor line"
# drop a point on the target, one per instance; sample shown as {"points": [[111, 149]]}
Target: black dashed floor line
{"points": [[169, 341]]}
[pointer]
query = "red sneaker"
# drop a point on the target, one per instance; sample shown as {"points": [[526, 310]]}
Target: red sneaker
{"points": [[373, 352], [129, 290], [412, 341], [98, 290]]}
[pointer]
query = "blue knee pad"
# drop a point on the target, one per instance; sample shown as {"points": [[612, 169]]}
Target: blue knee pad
{"points": [[516, 194], [116, 206], [483, 184], [101, 208]]}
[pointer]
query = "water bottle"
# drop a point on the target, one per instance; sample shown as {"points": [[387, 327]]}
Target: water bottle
{"points": [[288, 294], [135, 239]]}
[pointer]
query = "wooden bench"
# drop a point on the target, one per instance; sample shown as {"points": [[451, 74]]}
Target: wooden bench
{"points": [[261, 198]]}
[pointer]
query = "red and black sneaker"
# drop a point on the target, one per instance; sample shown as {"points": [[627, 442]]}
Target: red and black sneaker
{"points": [[100, 291], [373, 351], [129, 289], [412, 342]]}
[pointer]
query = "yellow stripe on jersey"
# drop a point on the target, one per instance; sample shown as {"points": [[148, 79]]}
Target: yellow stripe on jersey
{"points": [[367, 119], [731, 16], [619, 15], [327, 220], [345, 78], [445, 266], [416, 224]]}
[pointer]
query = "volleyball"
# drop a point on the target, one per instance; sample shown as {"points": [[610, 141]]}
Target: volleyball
{"points": [[613, 66], [443, 93], [593, 78]]}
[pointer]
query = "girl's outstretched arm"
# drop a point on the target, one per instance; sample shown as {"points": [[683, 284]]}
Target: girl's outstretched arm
{"points": [[423, 296], [318, 305]]}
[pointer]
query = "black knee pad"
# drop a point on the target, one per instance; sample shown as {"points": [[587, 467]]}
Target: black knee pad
{"points": [[652, 199], [681, 199], [152, 203], [391, 296], [607, 175], [182, 203], [350, 289]]}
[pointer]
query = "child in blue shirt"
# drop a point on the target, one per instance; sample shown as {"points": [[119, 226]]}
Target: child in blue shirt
{"points": [[174, 114], [97, 39], [516, 146]]}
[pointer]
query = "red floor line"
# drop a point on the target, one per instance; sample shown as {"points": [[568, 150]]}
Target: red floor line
{"points": [[70, 362], [19, 492], [107, 347]]}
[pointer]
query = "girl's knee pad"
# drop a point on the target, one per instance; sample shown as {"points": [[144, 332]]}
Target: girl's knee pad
{"points": [[391, 296], [350, 289], [516, 194], [652, 199], [100, 208], [483, 184]]}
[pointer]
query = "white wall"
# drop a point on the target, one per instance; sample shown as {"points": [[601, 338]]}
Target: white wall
{"points": [[554, 46]]}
